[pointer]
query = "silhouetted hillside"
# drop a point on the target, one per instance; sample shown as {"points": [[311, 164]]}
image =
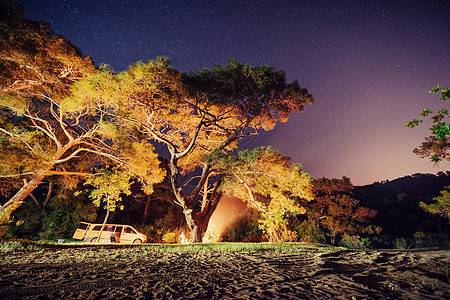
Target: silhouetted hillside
{"points": [[399, 213]]}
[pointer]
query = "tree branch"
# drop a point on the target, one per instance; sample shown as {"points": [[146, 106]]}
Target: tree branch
{"points": [[192, 143], [20, 138], [252, 198]]}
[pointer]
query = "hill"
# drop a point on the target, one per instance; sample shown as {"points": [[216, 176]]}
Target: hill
{"points": [[399, 213]]}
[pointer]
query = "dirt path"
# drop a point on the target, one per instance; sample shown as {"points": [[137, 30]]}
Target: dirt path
{"points": [[138, 273]]}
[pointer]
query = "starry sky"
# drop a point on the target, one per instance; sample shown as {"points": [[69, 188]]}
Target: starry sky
{"points": [[369, 65]]}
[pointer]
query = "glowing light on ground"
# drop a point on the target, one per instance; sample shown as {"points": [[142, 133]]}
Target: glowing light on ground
{"points": [[226, 213], [182, 238]]}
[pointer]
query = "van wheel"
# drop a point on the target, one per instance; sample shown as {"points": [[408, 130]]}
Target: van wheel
{"points": [[137, 241], [94, 240]]}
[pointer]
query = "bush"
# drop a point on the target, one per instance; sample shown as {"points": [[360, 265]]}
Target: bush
{"points": [[170, 238], [26, 222], [310, 233], [419, 239], [58, 219], [154, 234], [401, 243], [354, 242]]}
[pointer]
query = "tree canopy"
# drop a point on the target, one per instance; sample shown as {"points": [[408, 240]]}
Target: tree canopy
{"points": [[192, 115], [60, 115], [336, 210]]}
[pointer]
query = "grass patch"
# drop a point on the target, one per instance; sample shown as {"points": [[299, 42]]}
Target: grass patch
{"points": [[13, 245], [241, 247], [10, 246]]}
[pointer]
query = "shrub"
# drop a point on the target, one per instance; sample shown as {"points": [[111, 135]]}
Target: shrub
{"points": [[419, 239], [170, 238], [310, 233], [154, 234], [401, 243], [212, 237], [354, 242]]}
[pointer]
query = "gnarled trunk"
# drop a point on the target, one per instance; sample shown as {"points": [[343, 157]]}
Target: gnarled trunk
{"points": [[198, 222]]}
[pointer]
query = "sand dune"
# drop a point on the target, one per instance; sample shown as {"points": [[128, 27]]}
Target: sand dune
{"points": [[140, 273]]}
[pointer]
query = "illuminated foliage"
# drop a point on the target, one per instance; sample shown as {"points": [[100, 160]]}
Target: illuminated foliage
{"points": [[441, 206], [192, 115], [437, 146], [268, 182], [43, 132], [109, 183]]}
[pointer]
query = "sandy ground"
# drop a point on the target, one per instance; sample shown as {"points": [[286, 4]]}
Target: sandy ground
{"points": [[139, 273]]}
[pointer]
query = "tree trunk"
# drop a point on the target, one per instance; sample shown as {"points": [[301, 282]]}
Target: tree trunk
{"points": [[189, 216], [24, 191], [202, 220], [198, 222], [144, 218], [49, 193], [104, 221]]}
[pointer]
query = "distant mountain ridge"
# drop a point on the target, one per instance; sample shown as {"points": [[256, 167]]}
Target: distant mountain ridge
{"points": [[398, 210], [417, 184]]}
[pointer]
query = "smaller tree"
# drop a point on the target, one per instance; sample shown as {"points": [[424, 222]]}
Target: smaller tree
{"points": [[268, 182], [336, 211], [110, 183]]}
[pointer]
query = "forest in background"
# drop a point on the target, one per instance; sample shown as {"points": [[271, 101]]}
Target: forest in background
{"points": [[404, 224]]}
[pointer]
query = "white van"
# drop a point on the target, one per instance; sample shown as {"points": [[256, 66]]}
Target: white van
{"points": [[112, 233]]}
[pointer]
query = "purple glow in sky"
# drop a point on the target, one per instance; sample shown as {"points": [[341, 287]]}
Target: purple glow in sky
{"points": [[369, 65]]}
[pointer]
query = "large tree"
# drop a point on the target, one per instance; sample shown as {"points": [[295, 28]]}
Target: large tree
{"points": [[192, 116], [40, 133]]}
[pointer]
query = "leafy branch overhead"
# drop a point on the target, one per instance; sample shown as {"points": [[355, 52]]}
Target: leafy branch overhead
{"points": [[437, 146]]}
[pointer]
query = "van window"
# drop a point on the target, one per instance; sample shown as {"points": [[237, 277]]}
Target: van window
{"points": [[97, 228], [108, 228], [129, 230], [83, 226]]}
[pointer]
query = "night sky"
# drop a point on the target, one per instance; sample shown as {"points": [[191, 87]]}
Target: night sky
{"points": [[369, 65]]}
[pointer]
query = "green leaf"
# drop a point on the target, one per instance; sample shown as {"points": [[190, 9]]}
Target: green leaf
{"points": [[425, 112], [413, 123]]}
